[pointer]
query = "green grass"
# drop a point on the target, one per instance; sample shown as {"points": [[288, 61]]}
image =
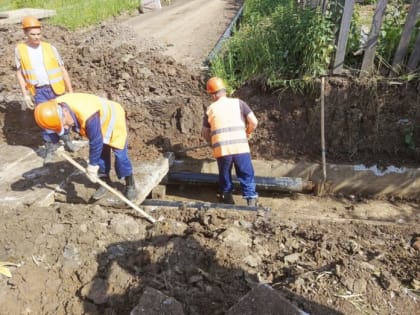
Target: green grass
{"points": [[279, 43], [77, 13]]}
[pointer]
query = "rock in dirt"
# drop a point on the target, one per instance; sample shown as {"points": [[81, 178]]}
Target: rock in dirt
{"points": [[154, 302], [263, 300]]}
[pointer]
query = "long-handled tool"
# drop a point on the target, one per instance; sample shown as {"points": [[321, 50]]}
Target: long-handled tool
{"points": [[115, 192]]}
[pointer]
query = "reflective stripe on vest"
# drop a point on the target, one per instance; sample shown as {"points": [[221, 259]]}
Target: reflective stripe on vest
{"points": [[228, 134], [107, 107], [55, 76], [111, 115]]}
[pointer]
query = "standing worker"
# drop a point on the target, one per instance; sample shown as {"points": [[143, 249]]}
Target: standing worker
{"points": [[227, 124], [103, 122], [42, 76]]}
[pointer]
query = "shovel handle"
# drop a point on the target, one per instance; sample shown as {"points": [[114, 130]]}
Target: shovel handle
{"points": [[109, 188]]}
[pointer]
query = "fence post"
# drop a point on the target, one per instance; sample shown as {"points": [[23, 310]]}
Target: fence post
{"points": [[401, 51], [343, 37], [415, 55], [370, 46]]}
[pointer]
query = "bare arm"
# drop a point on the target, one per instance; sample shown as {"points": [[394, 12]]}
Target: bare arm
{"points": [[205, 133], [22, 82], [66, 79], [252, 123]]}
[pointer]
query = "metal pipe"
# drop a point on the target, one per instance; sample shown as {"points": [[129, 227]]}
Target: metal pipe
{"points": [[198, 205], [262, 183]]}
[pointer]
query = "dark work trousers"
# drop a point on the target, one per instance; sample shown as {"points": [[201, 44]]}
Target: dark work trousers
{"points": [[123, 166], [244, 172]]}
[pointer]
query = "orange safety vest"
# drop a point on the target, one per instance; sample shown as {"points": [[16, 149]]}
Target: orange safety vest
{"points": [[51, 65], [112, 116], [228, 133]]}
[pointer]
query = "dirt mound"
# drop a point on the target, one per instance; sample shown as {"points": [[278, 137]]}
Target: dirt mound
{"points": [[165, 101], [90, 260], [85, 259]]}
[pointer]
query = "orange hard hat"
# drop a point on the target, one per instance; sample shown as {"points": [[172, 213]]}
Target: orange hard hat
{"points": [[30, 22], [48, 116], [215, 84]]}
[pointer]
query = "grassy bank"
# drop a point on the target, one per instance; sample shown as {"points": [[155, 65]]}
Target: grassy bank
{"points": [[77, 13], [286, 45]]}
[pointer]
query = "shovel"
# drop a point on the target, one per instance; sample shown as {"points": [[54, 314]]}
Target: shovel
{"points": [[115, 192]]}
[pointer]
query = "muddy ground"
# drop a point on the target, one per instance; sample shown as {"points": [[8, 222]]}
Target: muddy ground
{"points": [[88, 259]]}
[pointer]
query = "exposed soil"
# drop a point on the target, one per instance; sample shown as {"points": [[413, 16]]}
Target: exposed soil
{"points": [[88, 259]]}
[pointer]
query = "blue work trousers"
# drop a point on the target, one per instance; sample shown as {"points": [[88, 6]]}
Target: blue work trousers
{"points": [[244, 172], [44, 94], [123, 166]]}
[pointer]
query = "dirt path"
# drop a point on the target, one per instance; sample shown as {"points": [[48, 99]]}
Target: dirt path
{"points": [[188, 30]]}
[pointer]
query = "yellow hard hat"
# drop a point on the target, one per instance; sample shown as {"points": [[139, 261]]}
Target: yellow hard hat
{"points": [[215, 84], [30, 22], [48, 116]]}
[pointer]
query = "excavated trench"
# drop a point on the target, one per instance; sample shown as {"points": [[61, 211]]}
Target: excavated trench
{"points": [[345, 252]]}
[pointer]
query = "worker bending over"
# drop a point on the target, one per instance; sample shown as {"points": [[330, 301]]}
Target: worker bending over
{"points": [[227, 124], [103, 122]]}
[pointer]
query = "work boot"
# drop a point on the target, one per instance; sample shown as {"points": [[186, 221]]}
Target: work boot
{"points": [[49, 152], [101, 191], [130, 188], [68, 144], [227, 198], [252, 202]]}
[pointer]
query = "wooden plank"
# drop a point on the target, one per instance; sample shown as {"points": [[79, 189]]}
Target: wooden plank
{"points": [[15, 16], [415, 55], [402, 49], [370, 46], [343, 37], [324, 6]]}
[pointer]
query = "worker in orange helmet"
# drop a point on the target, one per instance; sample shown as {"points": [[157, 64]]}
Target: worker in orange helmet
{"points": [[42, 76], [103, 122], [227, 124]]}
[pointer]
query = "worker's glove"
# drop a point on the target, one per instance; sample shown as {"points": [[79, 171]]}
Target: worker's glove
{"points": [[28, 102], [92, 172]]}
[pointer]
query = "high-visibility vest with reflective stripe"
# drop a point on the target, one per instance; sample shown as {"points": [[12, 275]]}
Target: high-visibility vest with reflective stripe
{"points": [[112, 116], [228, 133], [52, 67]]}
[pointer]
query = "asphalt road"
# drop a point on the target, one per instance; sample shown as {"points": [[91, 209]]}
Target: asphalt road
{"points": [[187, 29]]}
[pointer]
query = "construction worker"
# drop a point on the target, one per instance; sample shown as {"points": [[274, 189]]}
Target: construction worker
{"points": [[42, 76], [103, 122], [227, 124]]}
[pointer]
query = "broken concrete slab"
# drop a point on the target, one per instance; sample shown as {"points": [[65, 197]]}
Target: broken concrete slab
{"points": [[149, 5], [24, 180], [148, 174], [263, 299], [15, 16], [154, 302]]}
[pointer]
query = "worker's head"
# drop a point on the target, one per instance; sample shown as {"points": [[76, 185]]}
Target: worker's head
{"points": [[49, 116], [216, 86], [32, 28], [30, 22]]}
